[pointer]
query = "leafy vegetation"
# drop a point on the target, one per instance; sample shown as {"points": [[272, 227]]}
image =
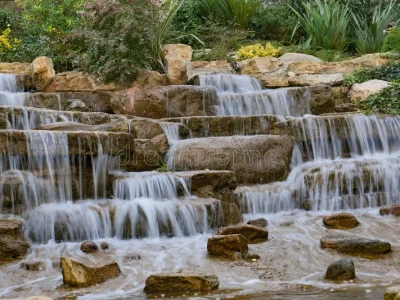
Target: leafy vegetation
{"points": [[325, 23], [386, 101], [387, 73], [370, 32], [392, 41]]}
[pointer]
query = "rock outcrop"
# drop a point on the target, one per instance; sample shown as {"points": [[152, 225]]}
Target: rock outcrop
{"points": [[180, 282], [163, 102], [226, 246], [13, 245], [79, 274], [342, 269], [355, 245], [177, 58], [253, 159], [341, 221], [43, 72], [253, 234]]}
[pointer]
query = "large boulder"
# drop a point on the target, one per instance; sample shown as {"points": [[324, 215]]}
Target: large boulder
{"points": [[177, 58], [262, 65], [390, 210], [227, 246], [355, 245], [311, 79], [13, 245], [321, 99], [77, 273], [361, 91], [342, 269], [180, 282], [341, 221], [43, 72], [292, 57], [163, 102], [253, 159], [253, 234]]}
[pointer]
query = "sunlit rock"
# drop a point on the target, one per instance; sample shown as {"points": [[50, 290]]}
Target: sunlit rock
{"points": [[85, 274]]}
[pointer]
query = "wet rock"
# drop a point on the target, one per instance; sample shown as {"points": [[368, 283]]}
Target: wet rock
{"points": [[390, 210], [163, 102], [104, 245], [34, 265], [85, 274], [177, 58], [253, 234], [292, 57], [180, 282], [150, 79], [321, 100], [361, 91], [77, 105], [43, 72], [311, 79], [253, 159], [341, 221], [13, 245], [391, 293], [234, 216], [89, 247], [342, 269], [355, 245], [227, 245], [261, 222]]}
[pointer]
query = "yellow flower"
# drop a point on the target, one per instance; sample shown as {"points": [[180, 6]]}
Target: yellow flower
{"points": [[258, 50], [5, 39]]}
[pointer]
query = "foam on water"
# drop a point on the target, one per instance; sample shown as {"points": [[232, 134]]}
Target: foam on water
{"points": [[10, 93]]}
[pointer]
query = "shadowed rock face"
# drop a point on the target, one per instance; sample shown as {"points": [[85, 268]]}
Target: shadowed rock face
{"points": [[254, 159], [180, 282], [80, 274], [164, 102], [13, 244]]}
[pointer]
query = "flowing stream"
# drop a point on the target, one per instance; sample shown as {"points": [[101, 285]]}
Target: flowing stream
{"points": [[70, 189]]}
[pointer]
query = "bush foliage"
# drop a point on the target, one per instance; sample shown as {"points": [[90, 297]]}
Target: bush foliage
{"points": [[387, 101]]}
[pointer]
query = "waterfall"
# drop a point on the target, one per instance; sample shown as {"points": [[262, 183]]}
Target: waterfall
{"points": [[243, 96], [10, 93], [123, 219]]}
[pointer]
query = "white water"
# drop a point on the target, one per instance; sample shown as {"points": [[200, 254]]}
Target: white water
{"points": [[243, 96], [10, 93]]}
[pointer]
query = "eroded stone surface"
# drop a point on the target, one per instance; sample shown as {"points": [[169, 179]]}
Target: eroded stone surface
{"points": [[13, 245], [226, 246], [181, 282], [341, 221], [355, 245], [253, 234]]}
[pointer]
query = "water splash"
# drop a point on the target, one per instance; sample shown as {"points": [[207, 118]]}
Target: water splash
{"points": [[10, 93]]}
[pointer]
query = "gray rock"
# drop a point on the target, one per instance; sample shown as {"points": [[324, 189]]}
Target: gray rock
{"points": [[343, 269]]}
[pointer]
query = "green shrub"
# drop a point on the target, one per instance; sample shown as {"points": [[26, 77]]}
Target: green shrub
{"points": [[387, 101], [392, 41], [118, 38], [325, 23], [273, 22], [387, 73], [370, 32]]}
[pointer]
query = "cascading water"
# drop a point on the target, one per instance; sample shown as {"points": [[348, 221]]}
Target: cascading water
{"points": [[243, 96], [10, 93], [353, 163]]}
